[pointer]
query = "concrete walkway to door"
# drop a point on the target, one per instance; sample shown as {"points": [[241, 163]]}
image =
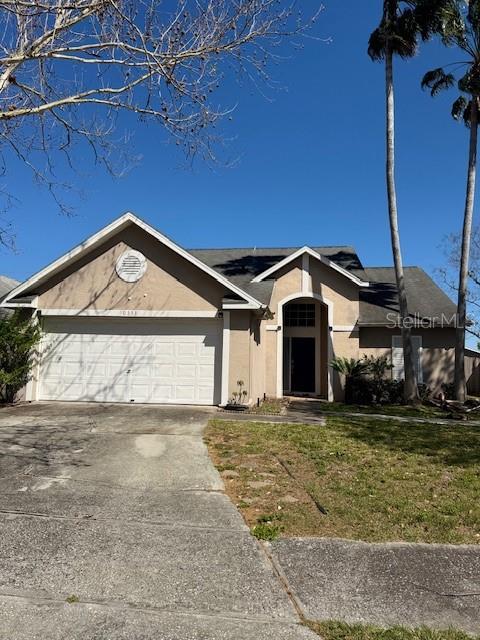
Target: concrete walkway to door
{"points": [[115, 525]]}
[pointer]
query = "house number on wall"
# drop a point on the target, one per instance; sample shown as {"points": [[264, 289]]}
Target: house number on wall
{"points": [[129, 312]]}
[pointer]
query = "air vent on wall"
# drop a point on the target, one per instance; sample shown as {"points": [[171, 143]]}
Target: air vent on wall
{"points": [[131, 266]]}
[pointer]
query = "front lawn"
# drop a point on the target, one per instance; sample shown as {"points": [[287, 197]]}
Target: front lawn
{"points": [[357, 478], [343, 631], [405, 411]]}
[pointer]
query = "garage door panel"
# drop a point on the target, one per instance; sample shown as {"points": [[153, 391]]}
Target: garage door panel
{"points": [[204, 393], [186, 371], [163, 371], [186, 349], [92, 369], [68, 369], [116, 369], [154, 361], [162, 393], [185, 393], [67, 390], [98, 349], [164, 349], [206, 371]]}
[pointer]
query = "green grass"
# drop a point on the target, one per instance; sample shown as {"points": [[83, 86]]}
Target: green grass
{"points": [[332, 630], [266, 531], [422, 411], [357, 478]]}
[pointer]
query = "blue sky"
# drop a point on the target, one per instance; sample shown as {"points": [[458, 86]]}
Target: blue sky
{"points": [[310, 170]]}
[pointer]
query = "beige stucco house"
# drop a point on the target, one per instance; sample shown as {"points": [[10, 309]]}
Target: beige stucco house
{"points": [[130, 316]]}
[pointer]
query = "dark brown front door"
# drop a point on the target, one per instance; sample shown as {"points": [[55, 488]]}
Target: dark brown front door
{"points": [[303, 365]]}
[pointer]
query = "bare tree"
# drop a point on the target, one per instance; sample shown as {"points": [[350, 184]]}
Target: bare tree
{"points": [[69, 67], [448, 275]]}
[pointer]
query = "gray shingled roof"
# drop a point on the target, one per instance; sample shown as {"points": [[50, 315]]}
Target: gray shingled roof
{"points": [[425, 298], [240, 266], [6, 285]]}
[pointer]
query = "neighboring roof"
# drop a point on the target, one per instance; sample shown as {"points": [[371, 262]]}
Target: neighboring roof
{"points": [[6, 285], [425, 298], [240, 266], [107, 232]]}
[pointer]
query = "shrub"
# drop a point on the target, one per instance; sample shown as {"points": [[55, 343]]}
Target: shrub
{"points": [[18, 339], [352, 369], [366, 381]]}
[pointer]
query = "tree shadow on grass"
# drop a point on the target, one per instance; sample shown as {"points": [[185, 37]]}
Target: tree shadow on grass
{"points": [[456, 444]]}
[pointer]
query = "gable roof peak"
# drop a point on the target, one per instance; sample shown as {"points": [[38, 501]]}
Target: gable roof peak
{"points": [[314, 254], [108, 231]]}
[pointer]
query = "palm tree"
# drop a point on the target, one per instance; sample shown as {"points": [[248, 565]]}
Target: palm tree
{"points": [[396, 36], [459, 25]]}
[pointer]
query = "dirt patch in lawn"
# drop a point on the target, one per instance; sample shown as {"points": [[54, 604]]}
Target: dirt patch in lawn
{"points": [[359, 478]]}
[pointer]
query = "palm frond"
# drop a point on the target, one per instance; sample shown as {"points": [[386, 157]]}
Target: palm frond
{"points": [[467, 114], [459, 107], [473, 13], [437, 80], [351, 367], [470, 82], [441, 17], [404, 38], [399, 31], [376, 44]]}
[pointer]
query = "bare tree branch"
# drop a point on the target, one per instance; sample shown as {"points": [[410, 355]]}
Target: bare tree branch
{"points": [[62, 61], [448, 275]]}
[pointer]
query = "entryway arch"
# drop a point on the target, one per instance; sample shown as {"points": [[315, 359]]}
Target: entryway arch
{"points": [[288, 335]]}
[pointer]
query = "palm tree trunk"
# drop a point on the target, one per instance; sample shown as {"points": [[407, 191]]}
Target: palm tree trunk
{"points": [[411, 389], [460, 381]]}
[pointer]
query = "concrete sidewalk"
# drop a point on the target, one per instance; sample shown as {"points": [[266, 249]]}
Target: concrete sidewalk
{"points": [[383, 584], [310, 411]]}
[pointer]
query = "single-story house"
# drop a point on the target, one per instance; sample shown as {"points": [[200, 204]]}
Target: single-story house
{"points": [[130, 316]]}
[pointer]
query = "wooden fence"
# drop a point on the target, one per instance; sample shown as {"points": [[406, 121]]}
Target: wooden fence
{"points": [[472, 372]]}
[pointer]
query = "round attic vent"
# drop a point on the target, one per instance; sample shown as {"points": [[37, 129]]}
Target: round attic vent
{"points": [[131, 266]]}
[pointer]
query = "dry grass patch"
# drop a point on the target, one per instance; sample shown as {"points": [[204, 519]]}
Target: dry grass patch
{"points": [[271, 407], [356, 478]]}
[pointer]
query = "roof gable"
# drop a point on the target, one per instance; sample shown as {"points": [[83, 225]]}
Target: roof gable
{"points": [[107, 232], [314, 254]]}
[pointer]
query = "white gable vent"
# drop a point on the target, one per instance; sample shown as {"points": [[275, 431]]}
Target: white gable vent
{"points": [[131, 266]]}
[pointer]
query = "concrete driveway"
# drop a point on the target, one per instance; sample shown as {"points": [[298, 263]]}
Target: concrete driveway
{"points": [[114, 525]]}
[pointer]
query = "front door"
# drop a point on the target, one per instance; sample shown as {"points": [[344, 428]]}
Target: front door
{"points": [[303, 365]]}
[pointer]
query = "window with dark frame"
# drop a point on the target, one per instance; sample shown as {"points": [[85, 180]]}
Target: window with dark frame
{"points": [[299, 315]]}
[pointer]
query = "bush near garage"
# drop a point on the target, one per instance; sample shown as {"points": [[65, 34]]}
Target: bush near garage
{"points": [[19, 338]]}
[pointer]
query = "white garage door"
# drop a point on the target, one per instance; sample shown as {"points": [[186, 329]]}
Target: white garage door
{"points": [[131, 360]]}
